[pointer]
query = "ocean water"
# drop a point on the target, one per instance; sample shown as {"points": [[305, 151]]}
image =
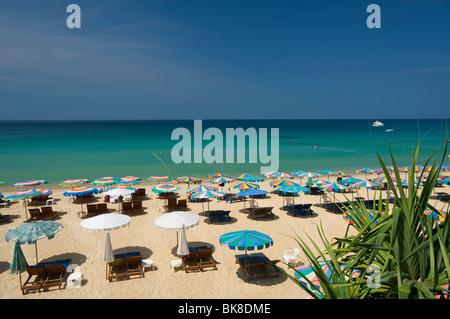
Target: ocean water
{"points": [[60, 150]]}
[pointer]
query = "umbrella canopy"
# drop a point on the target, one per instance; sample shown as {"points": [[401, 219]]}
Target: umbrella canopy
{"points": [[105, 181], [105, 222], [282, 183], [376, 171], [218, 175], [326, 172], [436, 217], [159, 178], [221, 179], [445, 181], [177, 220], [252, 192], [309, 175], [189, 180], [24, 194], [335, 187], [30, 233], [363, 170], [340, 174], [119, 191], [18, 263], [108, 255], [243, 186], [350, 180], [297, 173], [200, 189], [75, 182], [282, 175], [165, 188], [82, 191], [246, 240], [207, 194], [29, 183], [317, 182], [293, 189], [129, 180], [2, 182], [248, 178]]}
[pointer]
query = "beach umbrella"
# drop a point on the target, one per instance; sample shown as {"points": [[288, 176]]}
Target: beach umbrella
{"points": [[243, 186], [350, 218], [367, 185], [445, 181], [106, 223], [82, 191], [340, 174], [159, 178], [2, 182], [74, 182], [270, 174], [189, 180], [105, 181], [221, 179], [26, 184], [31, 232], [246, 240], [207, 194], [22, 196], [363, 170], [251, 192], [335, 188], [327, 172], [218, 175], [248, 178], [282, 183], [129, 180], [309, 175], [18, 262], [376, 171], [349, 180], [201, 188], [165, 188], [294, 189], [177, 221], [115, 192], [297, 173], [437, 217], [183, 248], [282, 175]]}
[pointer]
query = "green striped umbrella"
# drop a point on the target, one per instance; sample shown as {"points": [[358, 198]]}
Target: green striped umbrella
{"points": [[30, 233], [246, 240], [18, 263]]}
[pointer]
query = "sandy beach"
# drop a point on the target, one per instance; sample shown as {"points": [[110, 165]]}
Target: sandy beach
{"points": [[228, 281]]}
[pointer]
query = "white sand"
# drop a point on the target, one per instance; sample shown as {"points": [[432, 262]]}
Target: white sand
{"points": [[228, 281]]}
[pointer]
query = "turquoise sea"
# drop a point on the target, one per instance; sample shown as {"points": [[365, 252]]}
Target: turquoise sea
{"points": [[60, 150]]}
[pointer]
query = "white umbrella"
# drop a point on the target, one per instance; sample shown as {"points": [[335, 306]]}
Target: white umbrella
{"points": [[106, 222], [177, 221], [183, 248], [119, 192]]}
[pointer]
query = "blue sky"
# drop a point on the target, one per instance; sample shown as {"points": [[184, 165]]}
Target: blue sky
{"points": [[224, 59]]}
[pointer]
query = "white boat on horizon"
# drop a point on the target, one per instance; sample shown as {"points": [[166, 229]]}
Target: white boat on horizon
{"points": [[377, 124]]}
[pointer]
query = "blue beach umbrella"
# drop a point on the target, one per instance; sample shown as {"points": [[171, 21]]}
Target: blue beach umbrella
{"points": [[252, 192], [246, 240], [248, 178], [294, 189]]}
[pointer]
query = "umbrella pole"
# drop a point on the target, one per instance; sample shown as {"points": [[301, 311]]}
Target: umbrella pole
{"points": [[35, 245]]}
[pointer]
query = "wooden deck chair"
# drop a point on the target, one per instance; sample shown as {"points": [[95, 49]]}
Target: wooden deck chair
{"points": [[172, 204], [182, 204], [35, 214], [127, 208], [102, 208], [91, 210], [55, 276], [205, 258], [137, 207], [48, 213], [190, 262], [36, 277], [116, 269], [134, 266]]}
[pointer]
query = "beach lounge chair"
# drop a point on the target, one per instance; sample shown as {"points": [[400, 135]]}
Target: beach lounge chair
{"points": [[48, 213], [182, 204], [205, 258], [102, 208], [35, 214], [137, 208], [261, 212], [4, 218], [172, 204], [133, 266], [257, 265], [55, 276], [190, 261], [219, 215], [141, 193], [91, 210], [127, 207], [116, 268], [36, 277]]}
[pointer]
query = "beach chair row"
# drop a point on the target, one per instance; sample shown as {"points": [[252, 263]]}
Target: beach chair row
{"points": [[173, 204], [198, 259], [125, 265], [45, 213], [45, 275], [132, 207], [96, 209], [259, 212]]}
